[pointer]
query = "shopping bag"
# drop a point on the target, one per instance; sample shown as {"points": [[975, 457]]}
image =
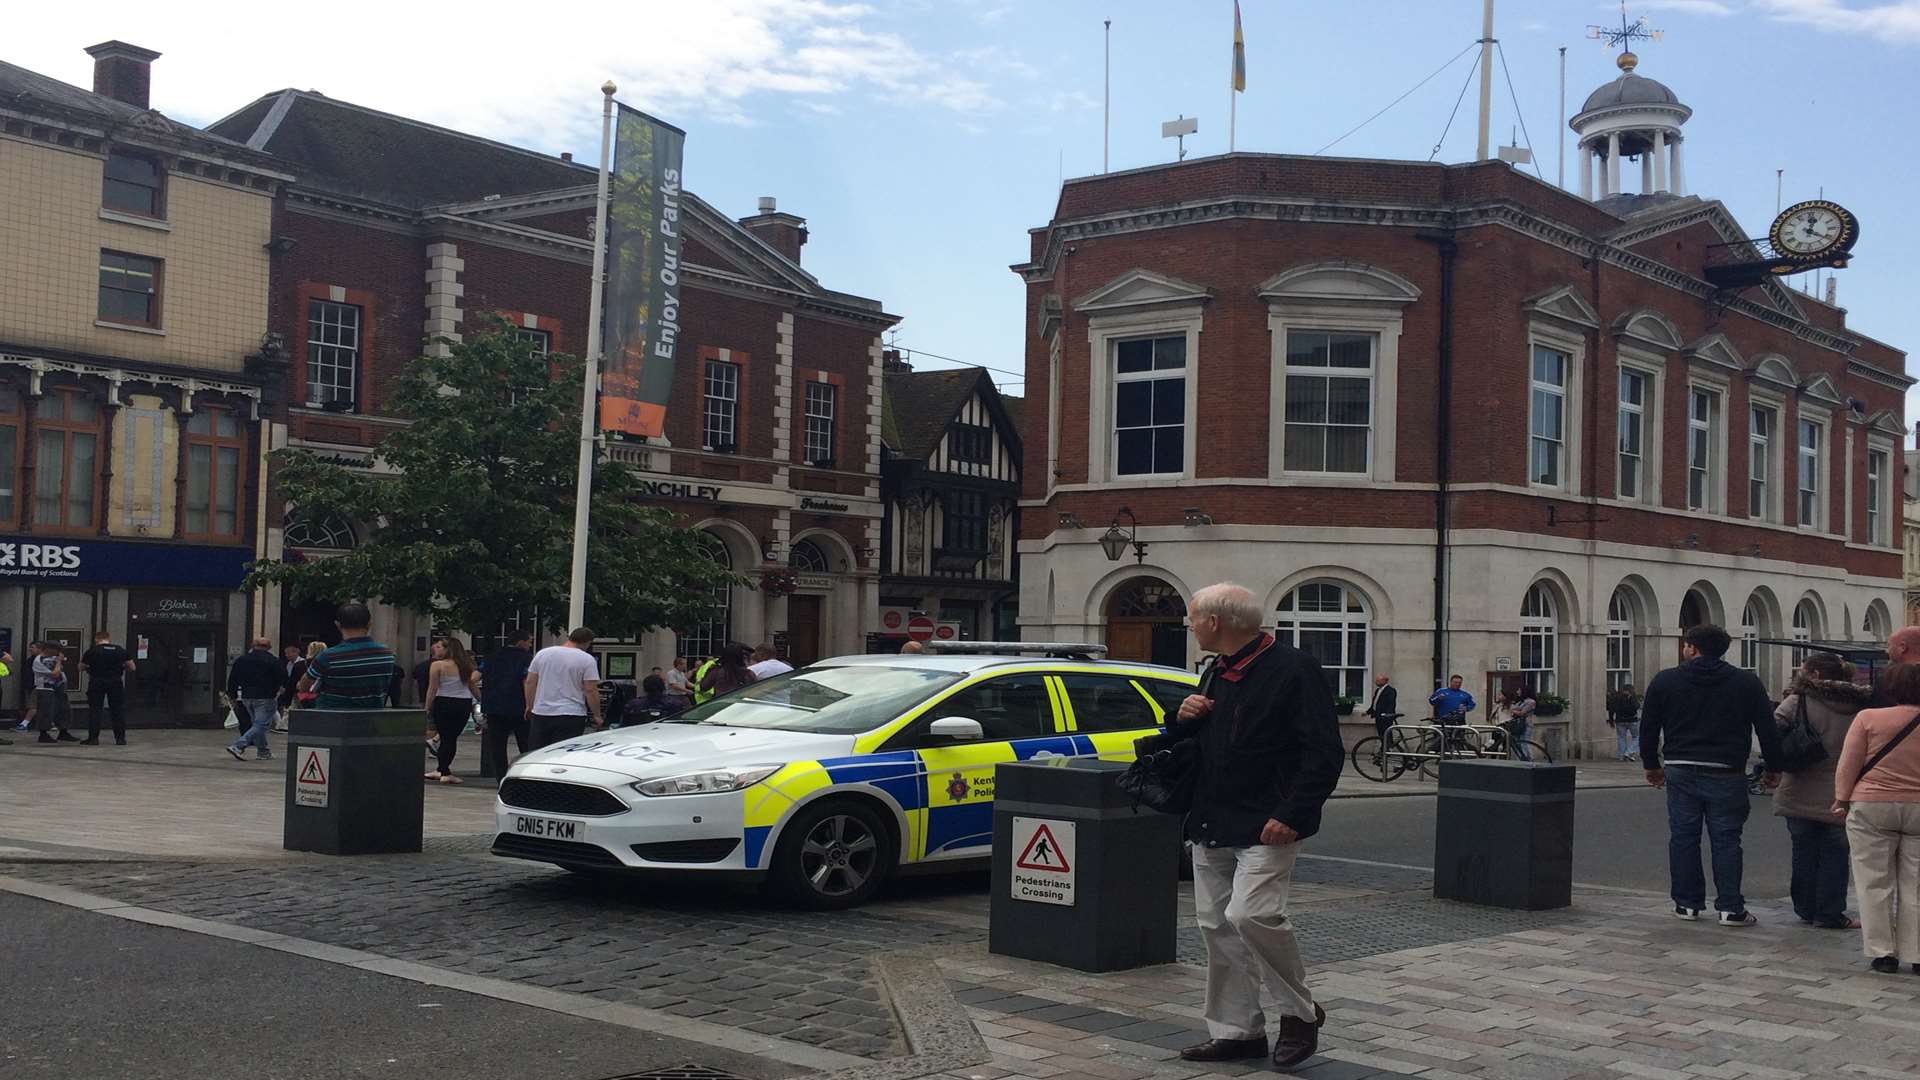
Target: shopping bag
{"points": [[233, 719]]}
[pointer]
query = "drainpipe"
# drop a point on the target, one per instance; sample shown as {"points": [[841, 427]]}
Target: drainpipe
{"points": [[1443, 449]]}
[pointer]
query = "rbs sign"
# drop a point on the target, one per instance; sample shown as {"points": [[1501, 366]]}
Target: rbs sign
{"points": [[106, 562], [49, 557]]}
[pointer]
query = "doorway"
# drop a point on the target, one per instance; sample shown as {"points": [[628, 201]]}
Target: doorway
{"points": [[1146, 621], [176, 675], [803, 630]]}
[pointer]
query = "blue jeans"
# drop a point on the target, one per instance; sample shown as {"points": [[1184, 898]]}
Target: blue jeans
{"points": [[1626, 735], [1721, 802], [1820, 865], [262, 710]]}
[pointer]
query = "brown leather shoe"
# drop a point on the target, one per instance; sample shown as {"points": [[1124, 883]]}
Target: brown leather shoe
{"points": [[1298, 1039], [1226, 1050]]}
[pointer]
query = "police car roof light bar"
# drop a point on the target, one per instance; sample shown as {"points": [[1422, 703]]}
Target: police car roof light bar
{"points": [[1062, 649]]}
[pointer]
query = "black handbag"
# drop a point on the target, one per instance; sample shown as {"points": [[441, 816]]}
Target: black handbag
{"points": [[1164, 779], [1801, 747]]}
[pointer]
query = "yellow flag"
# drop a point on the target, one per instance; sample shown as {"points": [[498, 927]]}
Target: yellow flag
{"points": [[1239, 52]]}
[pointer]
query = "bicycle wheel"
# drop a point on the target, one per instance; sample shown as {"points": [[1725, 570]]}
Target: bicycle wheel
{"points": [[1536, 752], [1432, 743], [1373, 760]]}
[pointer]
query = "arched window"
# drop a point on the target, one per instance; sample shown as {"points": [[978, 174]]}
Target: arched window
{"points": [[1146, 598], [1144, 622], [1750, 619], [807, 558], [1539, 634], [331, 532], [1879, 624], [1330, 622], [704, 638], [1806, 620], [1622, 613]]}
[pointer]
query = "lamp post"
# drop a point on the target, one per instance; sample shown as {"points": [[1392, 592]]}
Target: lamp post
{"points": [[1114, 542]]}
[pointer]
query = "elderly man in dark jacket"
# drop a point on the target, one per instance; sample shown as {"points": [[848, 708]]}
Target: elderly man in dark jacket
{"points": [[1269, 757]]}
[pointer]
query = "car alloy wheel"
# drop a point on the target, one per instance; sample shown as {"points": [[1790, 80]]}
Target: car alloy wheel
{"points": [[839, 855]]}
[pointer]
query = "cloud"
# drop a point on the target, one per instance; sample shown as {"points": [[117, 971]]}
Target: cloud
{"points": [[1686, 7], [1896, 23]]}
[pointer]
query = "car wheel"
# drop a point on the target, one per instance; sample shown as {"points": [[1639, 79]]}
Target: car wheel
{"points": [[833, 855]]}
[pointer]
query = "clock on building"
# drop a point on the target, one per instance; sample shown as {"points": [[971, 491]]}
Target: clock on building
{"points": [[1813, 233]]}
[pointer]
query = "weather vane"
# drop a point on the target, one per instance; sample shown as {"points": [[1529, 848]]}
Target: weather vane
{"points": [[1629, 32]]}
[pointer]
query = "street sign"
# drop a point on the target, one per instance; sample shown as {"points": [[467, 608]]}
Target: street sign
{"points": [[1503, 663], [920, 628], [946, 631], [310, 781], [1043, 864]]}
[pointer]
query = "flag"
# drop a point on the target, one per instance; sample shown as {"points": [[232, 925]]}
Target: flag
{"points": [[643, 275], [1239, 52]]}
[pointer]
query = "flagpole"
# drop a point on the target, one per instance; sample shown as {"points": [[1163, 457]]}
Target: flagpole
{"points": [[1106, 99], [590, 387], [1233, 81]]}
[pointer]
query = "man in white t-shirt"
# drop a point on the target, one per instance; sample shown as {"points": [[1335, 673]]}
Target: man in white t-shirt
{"points": [[563, 691], [767, 663]]}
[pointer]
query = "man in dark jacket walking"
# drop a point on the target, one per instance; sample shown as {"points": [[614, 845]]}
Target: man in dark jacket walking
{"points": [[254, 683], [503, 701], [1269, 757], [1706, 712]]}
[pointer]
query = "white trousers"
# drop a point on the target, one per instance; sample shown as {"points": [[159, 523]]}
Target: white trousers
{"points": [[1884, 839], [1240, 902]]}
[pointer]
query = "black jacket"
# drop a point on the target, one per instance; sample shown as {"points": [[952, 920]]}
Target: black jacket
{"points": [[257, 676], [1386, 703], [1706, 710], [503, 682], [1270, 749]]}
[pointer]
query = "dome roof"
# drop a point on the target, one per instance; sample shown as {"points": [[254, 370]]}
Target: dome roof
{"points": [[1630, 89]]}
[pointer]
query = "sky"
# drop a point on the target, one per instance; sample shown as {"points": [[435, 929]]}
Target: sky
{"points": [[922, 138]]}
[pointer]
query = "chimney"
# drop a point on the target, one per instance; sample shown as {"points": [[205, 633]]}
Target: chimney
{"points": [[892, 364], [123, 72], [566, 155], [784, 233]]}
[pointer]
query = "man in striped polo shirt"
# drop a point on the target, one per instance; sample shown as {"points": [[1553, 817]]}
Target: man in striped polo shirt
{"points": [[353, 674]]}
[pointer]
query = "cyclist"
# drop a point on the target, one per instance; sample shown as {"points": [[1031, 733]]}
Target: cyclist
{"points": [[1451, 704]]}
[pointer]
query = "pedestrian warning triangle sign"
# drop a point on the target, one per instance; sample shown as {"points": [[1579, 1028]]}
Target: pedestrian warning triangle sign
{"points": [[1043, 853], [311, 771]]}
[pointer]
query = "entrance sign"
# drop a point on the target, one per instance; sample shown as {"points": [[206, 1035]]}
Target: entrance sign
{"points": [[311, 780], [1043, 861], [644, 242]]}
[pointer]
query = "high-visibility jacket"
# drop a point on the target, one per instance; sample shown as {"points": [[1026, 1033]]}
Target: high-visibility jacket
{"points": [[701, 692]]}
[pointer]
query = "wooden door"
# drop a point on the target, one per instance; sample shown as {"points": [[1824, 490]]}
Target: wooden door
{"points": [[803, 630], [1130, 641]]}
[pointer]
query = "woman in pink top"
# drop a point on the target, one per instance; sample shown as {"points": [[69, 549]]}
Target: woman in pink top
{"points": [[1877, 785]]}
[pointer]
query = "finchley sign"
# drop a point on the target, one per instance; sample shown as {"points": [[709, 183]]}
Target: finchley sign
{"points": [[673, 489]]}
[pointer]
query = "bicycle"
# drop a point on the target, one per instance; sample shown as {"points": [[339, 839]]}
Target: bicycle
{"points": [[1425, 746]]}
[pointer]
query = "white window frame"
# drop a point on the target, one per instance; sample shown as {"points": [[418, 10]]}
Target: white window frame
{"points": [[1749, 640], [1349, 678], [1653, 412], [1545, 628], [708, 399], [1573, 345], [1622, 614], [1558, 391], [1879, 506], [1103, 332], [317, 348], [1630, 414], [1053, 412], [1803, 628], [1714, 486], [1770, 510], [1821, 455], [817, 424], [1384, 322], [1151, 375], [1287, 371]]}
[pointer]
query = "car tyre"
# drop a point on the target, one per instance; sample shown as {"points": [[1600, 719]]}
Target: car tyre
{"points": [[833, 855]]}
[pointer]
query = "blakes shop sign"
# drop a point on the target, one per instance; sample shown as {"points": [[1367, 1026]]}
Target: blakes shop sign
{"points": [[26, 560]]}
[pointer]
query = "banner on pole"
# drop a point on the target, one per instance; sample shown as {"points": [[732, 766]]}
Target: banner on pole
{"points": [[644, 241]]}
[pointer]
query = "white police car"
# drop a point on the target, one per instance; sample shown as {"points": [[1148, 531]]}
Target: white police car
{"points": [[828, 778]]}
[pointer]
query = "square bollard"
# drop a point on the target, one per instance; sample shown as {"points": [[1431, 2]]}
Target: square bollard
{"points": [[354, 782], [1503, 834], [1081, 878]]}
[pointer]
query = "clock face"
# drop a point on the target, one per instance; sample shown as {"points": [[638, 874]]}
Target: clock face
{"points": [[1812, 230]]}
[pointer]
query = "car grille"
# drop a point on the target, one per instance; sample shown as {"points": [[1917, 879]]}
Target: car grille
{"points": [[564, 852], [557, 798], [688, 851]]}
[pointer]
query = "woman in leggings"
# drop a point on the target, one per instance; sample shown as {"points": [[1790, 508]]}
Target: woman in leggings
{"points": [[451, 682]]}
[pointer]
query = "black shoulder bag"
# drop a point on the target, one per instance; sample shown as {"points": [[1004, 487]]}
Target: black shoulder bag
{"points": [[1881, 754], [1167, 766], [1801, 747]]}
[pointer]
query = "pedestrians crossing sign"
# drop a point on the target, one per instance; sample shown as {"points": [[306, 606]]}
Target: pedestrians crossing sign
{"points": [[1043, 861], [310, 778]]}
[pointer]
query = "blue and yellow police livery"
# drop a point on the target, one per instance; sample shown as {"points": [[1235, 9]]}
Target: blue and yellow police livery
{"points": [[826, 779]]}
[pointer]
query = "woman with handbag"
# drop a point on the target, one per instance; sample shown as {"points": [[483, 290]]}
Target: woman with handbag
{"points": [[1813, 721], [1877, 785]]}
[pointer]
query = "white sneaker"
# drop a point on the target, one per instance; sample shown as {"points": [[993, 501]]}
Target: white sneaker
{"points": [[23, 726], [1690, 914]]}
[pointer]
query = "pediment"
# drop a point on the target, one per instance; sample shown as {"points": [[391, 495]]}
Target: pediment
{"points": [[1775, 368], [1141, 289], [1339, 280], [1888, 422], [1821, 389], [1718, 350], [1648, 327], [1563, 303], [1692, 210]]}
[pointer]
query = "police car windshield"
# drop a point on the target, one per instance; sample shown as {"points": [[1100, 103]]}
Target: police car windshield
{"points": [[826, 701]]}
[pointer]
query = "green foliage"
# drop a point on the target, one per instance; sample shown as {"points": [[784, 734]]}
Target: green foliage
{"points": [[1549, 705], [477, 523]]}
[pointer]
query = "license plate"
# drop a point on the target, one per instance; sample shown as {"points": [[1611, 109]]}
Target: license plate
{"points": [[550, 828]]}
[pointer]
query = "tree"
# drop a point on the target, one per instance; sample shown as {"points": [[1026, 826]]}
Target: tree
{"points": [[476, 525]]}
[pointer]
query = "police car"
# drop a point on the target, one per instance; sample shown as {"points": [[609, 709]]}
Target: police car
{"points": [[828, 779]]}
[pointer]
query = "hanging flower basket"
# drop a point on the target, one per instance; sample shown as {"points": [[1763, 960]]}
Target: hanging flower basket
{"points": [[779, 583]]}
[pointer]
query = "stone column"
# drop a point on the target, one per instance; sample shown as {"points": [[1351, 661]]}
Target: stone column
{"points": [[1679, 177], [1586, 171], [1646, 174], [1660, 160], [444, 293], [1613, 163]]}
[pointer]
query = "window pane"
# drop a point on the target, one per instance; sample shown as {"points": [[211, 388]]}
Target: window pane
{"points": [[1629, 433], [1549, 367], [200, 423], [228, 426], [1133, 404], [1135, 451], [1105, 703], [1169, 401], [80, 482], [1347, 400], [1546, 414], [1306, 399], [49, 455], [1169, 352], [1306, 349], [1169, 449], [1629, 476], [1546, 462], [1347, 449], [1632, 388], [1306, 447], [1133, 356], [199, 490], [1350, 350], [226, 491]]}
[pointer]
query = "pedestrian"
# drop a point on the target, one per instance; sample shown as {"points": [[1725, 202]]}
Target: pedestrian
{"points": [[1877, 785], [1623, 715], [1520, 725], [503, 701], [107, 665], [730, 670], [766, 663], [295, 661], [678, 685], [1269, 756], [50, 703], [1451, 704], [6, 669], [451, 681], [1706, 712], [698, 680], [254, 682], [652, 705], [1385, 708], [912, 647], [354, 673], [303, 694], [1824, 694], [563, 691]]}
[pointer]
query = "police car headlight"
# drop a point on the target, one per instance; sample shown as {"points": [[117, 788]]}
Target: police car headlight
{"points": [[706, 783]]}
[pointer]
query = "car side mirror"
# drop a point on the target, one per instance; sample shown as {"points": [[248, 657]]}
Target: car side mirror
{"points": [[957, 728]]}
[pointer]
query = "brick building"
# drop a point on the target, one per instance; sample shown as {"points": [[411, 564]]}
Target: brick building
{"points": [[1448, 419], [136, 389], [399, 231]]}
